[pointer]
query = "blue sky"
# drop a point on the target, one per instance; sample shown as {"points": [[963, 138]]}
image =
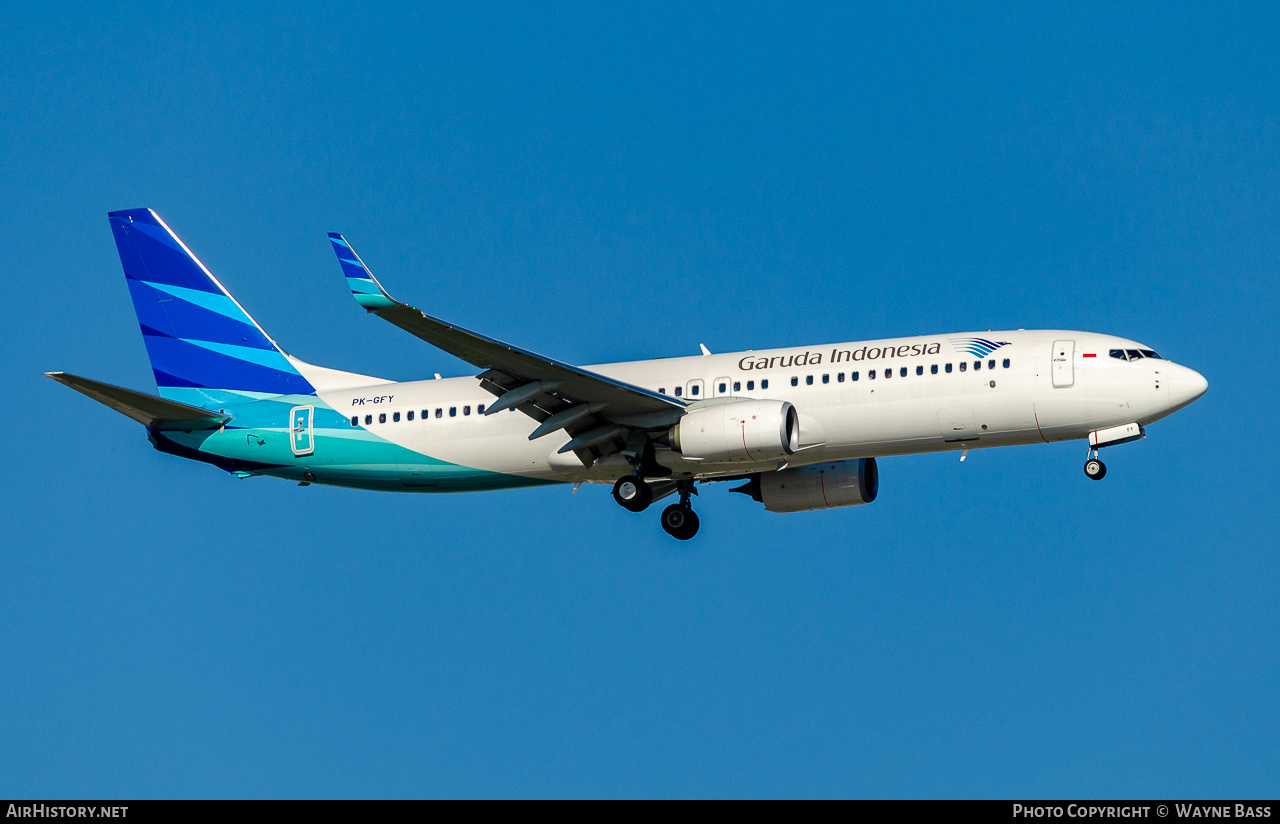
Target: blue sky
{"points": [[603, 185]]}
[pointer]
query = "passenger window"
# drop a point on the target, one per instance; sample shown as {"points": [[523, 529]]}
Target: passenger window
{"points": [[963, 365], [408, 416], [466, 410], [453, 411], [480, 409], [751, 385], [795, 381], [382, 417], [662, 390], [678, 391], [355, 420], [1006, 363], [693, 390], [764, 384], [808, 380], [368, 419], [440, 412], [919, 370], [853, 376], [724, 387], [826, 379], [839, 377], [977, 365], [933, 370], [395, 417], [888, 373], [902, 373], [737, 386], [948, 369], [871, 374]]}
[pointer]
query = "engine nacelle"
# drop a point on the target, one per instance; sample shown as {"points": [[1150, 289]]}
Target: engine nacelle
{"points": [[737, 431], [820, 486]]}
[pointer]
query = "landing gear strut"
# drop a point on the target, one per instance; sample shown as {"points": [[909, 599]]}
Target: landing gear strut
{"points": [[1094, 467], [679, 520]]}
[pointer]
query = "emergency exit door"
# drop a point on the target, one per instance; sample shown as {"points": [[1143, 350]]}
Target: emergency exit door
{"points": [[1063, 362], [300, 434]]}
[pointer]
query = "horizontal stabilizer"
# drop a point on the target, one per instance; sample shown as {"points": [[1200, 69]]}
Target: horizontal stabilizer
{"points": [[149, 410]]}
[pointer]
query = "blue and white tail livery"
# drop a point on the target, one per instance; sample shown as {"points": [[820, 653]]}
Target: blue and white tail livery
{"points": [[801, 427]]}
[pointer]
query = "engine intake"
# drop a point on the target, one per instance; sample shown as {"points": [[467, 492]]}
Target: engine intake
{"points": [[820, 486], [737, 431]]}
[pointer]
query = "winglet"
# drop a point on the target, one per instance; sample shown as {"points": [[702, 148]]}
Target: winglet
{"points": [[364, 286]]}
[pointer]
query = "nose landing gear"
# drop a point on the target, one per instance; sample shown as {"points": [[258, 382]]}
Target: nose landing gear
{"points": [[1094, 467]]}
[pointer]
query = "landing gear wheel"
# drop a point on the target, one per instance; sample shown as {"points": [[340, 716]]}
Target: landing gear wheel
{"points": [[1095, 469], [632, 493], [679, 522]]}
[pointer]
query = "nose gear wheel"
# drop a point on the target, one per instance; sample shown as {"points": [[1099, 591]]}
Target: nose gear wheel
{"points": [[1094, 467]]}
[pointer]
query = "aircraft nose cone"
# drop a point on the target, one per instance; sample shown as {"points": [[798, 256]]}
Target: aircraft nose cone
{"points": [[1185, 386]]}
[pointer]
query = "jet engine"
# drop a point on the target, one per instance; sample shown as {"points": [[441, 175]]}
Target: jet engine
{"points": [[820, 486], [737, 431]]}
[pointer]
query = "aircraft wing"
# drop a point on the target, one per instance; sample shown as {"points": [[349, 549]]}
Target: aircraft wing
{"points": [[594, 409]]}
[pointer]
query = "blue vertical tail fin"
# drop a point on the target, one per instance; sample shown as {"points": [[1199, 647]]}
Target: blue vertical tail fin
{"points": [[205, 349]]}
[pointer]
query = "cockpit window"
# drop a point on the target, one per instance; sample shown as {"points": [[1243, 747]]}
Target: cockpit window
{"points": [[1134, 354]]}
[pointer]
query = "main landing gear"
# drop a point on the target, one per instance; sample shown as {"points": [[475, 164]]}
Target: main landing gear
{"points": [[678, 520], [1094, 467], [632, 493]]}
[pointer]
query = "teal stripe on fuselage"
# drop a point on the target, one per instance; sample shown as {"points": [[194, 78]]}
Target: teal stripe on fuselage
{"points": [[218, 398], [258, 441]]}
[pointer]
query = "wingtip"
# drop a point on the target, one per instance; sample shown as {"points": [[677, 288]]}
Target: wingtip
{"points": [[365, 288]]}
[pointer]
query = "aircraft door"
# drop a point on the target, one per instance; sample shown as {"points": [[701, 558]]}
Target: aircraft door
{"points": [[693, 390], [301, 436], [1063, 366], [720, 387], [956, 424]]}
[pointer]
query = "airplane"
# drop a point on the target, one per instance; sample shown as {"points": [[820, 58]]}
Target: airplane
{"points": [[801, 426]]}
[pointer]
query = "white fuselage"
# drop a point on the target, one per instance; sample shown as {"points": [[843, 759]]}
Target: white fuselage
{"points": [[935, 397]]}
